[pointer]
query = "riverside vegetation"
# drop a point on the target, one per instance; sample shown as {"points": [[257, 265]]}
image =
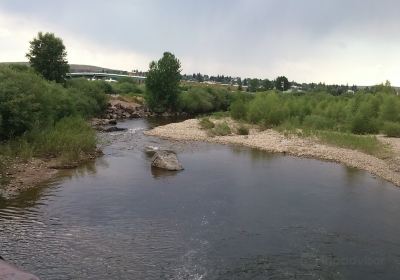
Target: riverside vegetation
{"points": [[43, 119]]}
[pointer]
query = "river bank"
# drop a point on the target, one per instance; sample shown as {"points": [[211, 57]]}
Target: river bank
{"points": [[272, 141], [18, 175]]}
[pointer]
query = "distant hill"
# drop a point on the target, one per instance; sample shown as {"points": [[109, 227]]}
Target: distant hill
{"points": [[81, 68]]}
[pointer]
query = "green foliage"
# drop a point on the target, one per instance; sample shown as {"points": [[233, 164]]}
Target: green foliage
{"points": [[238, 109], [360, 113], [243, 130], [87, 97], [28, 101], [69, 139], [205, 123], [198, 100], [282, 83], [221, 129], [126, 86], [254, 84], [391, 129], [366, 144], [47, 55], [390, 109], [162, 84], [318, 122]]}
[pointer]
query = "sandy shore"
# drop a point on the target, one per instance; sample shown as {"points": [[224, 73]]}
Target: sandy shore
{"points": [[273, 141]]}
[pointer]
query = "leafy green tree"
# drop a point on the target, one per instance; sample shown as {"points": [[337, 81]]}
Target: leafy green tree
{"points": [[47, 55], [267, 84], [162, 84], [240, 85], [254, 84], [282, 83]]}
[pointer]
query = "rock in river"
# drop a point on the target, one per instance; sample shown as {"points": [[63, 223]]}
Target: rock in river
{"points": [[166, 160], [8, 271], [111, 129]]}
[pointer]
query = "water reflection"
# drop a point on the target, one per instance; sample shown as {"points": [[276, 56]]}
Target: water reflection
{"points": [[159, 173], [233, 213]]}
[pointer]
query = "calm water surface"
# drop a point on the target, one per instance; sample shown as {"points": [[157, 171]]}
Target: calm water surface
{"points": [[233, 213]]}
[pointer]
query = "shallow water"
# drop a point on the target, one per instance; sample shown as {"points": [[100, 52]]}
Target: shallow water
{"points": [[233, 213]]}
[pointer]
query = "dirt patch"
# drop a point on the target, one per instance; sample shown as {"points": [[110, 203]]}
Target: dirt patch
{"points": [[20, 176]]}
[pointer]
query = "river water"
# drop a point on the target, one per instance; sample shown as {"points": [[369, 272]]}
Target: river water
{"points": [[233, 213]]}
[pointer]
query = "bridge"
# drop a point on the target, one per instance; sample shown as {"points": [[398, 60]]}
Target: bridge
{"points": [[99, 75]]}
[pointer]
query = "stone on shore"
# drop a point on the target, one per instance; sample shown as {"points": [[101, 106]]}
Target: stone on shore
{"points": [[166, 160]]}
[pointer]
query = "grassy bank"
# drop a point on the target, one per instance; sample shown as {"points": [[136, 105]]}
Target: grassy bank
{"points": [[44, 119], [70, 139]]}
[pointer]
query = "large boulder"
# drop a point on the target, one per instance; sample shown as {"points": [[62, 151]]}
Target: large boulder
{"points": [[10, 272], [166, 160]]}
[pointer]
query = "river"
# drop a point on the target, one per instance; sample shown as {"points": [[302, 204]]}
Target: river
{"points": [[233, 213]]}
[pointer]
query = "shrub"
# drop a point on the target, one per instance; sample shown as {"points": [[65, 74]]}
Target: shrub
{"points": [[205, 123], [243, 130], [238, 110], [318, 122], [221, 129], [391, 129]]}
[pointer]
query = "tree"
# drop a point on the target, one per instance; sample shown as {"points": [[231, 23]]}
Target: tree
{"points": [[162, 83], [267, 84], [254, 84], [240, 85], [282, 83], [47, 55]]}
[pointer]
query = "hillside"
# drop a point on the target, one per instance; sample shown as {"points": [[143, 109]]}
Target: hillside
{"points": [[81, 68]]}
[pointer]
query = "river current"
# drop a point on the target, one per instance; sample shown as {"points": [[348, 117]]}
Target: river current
{"points": [[233, 213]]}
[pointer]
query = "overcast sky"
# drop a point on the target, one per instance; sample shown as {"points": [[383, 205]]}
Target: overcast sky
{"points": [[332, 41]]}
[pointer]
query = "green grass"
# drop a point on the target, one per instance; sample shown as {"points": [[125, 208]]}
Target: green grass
{"points": [[69, 140], [391, 129], [220, 115], [221, 129], [205, 123], [367, 144], [243, 130]]}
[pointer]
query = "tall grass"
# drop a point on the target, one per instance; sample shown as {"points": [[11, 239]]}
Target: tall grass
{"points": [[70, 139], [367, 144]]}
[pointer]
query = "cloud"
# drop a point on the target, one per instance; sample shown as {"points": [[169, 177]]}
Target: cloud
{"points": [[339, 41]]}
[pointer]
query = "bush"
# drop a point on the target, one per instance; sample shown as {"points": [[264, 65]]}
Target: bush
{"points": [[198, 100], [221, 129], [28, 101], [243, 130], [391, 129], [318, 122], [238, 110], [205, 123]]}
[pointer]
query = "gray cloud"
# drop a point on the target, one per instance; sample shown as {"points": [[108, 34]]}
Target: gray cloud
{"points": [[248, 37]]}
